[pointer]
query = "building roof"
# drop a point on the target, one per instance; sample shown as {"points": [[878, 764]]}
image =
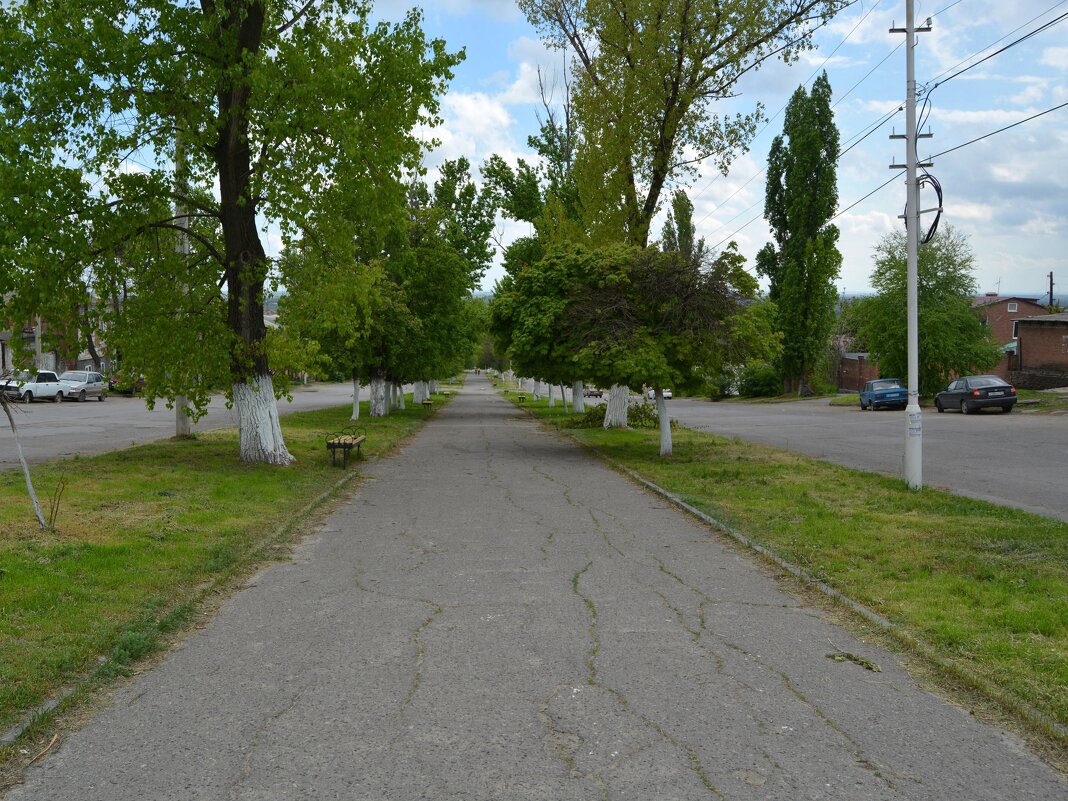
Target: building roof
{"points": [[1045, 318], [990, 300]]}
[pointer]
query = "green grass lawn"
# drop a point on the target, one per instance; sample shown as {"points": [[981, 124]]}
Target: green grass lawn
{"points": [[141, 536], [981, 588]]}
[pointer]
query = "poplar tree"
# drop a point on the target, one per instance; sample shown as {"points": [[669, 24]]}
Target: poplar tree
{"points": [[801, 198]]}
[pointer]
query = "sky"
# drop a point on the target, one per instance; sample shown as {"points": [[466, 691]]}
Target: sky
{"points": [[1007, 192]]}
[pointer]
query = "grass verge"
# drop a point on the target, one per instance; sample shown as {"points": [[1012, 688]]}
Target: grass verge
{"points": [[979, 588], [142, 536]]}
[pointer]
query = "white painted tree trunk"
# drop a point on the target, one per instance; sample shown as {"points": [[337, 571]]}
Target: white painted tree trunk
{"points": [[355, 397], [400, 397], [432, 386], [418, 393], [379, 407], [259, 432], [616, 413], [182, 426], [552, 397], [563, 397], [25, 467], [578, 401], [665, 424]]}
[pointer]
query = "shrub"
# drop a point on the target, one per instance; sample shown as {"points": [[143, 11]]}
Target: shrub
{"points": [[759, 380]]}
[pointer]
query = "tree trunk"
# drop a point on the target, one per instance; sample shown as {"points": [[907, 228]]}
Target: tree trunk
{"points": [[182, 426], [355, 395], [552, 397], [616, 414], [25, 467], [245, 260], [578, 400], [418, 393], [259, 432], [563, 398], [400, 396], [432, 386], [665, 423], [379, 406]]}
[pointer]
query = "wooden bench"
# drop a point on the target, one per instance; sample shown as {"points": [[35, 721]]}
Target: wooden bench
{"points": [[344, 441], [426, 404], [522, 398]]}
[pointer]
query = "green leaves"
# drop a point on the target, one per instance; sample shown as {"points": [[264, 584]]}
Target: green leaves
{"points": [[952, 338]]}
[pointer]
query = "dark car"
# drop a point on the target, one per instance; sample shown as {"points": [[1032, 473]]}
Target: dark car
{"points": [[884, 393], [974, 392]]}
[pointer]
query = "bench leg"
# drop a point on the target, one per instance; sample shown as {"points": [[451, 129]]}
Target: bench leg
{"points": [[333, 454]]}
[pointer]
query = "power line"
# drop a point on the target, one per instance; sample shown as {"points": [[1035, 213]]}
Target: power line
{"points": [[1000, 130]]}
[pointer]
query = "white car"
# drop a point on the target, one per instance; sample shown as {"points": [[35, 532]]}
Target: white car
{"points": [[82, 384], [28, 386], [652, 394]]}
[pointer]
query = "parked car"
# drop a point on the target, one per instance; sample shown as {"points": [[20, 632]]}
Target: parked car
{"points": [[974, 392], [27, 386], [81, 384], [592, 392], [884, 393], [652, 394], [125, 386]]}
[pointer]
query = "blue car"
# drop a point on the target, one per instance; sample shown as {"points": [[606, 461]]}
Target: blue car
{"points": [[884, 393]]}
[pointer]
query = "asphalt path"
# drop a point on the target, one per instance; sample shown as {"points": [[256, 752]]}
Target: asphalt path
{"points": [[496, 616], [1016, 459], [49, 431]]}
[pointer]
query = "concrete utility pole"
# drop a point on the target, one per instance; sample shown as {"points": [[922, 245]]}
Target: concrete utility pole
{"points": [[913, 416]]}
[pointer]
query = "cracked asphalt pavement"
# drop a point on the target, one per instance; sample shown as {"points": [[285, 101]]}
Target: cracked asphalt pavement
{"points": [[494, 615]]}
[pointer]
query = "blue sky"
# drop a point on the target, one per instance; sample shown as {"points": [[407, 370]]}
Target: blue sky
{"points": [[1007, 192]]}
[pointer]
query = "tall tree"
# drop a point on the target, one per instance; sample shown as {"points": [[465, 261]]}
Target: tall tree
{"points": [[801, 198], [647, 75], [952, 338], [284, 109]]}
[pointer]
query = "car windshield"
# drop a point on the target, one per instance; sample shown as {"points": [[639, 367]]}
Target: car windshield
{"points": [[70, 375], [985, 381], [892, 383]]}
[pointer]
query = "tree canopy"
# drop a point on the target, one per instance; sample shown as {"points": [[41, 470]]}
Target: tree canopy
{"points": [[801, 199], [239, 111], [952, 338], [647, 74]]}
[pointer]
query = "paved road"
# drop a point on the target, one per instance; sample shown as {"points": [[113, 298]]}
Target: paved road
{"points": [[50, 431], [495, 616], [1016, 459]]}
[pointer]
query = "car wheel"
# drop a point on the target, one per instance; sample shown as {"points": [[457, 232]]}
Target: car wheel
{"points": [[863, 408], [101, 396], [27, 397], [938, 407], [964, 408], [58, 398], [81, 396], [1006, 409]]}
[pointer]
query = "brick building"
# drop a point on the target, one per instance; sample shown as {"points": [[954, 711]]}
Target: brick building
{"points": [[1043, 352]]}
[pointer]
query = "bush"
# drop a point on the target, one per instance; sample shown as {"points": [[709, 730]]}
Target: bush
{"points": [[720, 387], [759, 380], [639, 415]]}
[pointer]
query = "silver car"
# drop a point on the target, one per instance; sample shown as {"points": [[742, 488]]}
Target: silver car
{"points": [[82, 384]]}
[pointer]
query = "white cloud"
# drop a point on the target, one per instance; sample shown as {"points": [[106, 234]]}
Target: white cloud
{"points": [[1055, 57]]}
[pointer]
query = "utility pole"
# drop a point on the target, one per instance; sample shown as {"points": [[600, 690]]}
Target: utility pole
{"points": [[1051, 289], [913, 416]]}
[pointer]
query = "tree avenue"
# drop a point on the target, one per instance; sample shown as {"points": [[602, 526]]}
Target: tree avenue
{"points": [[297, 113]]}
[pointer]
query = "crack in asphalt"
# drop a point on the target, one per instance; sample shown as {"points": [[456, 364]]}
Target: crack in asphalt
{"points": [[861, 758], [591, 678], [257, 738], [417, 636]]}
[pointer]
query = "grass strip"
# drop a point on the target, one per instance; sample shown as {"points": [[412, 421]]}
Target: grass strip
{"points": [[141, 536], [980, 588]]}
